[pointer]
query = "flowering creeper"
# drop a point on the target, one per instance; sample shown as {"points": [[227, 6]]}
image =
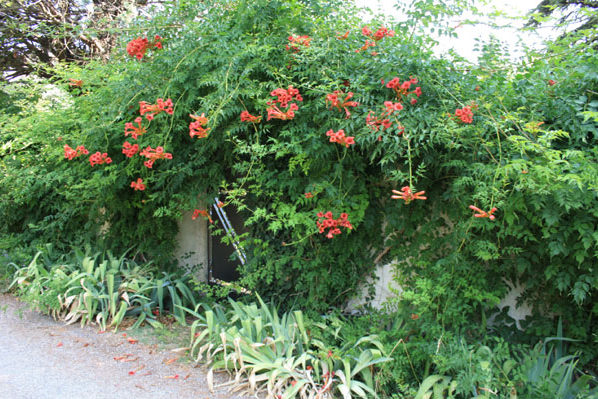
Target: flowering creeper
{"points": [[135, 131], [151, 110], [138, 185], [197, 127], [99, 159], [326, 221], [69, 153], [154, 155], [333, 98], [407, 195], [339, 137], [482, 214]]}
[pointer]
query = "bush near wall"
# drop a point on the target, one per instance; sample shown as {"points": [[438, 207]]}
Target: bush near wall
{"points": [[520, 138]]}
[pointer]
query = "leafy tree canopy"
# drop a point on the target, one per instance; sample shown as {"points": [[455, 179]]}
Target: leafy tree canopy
{"points": [[38, 33]]}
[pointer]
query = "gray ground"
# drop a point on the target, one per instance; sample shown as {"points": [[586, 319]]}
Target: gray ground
{"points": [[41, 358]]}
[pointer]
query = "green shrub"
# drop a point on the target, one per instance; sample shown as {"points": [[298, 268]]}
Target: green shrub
{"points": [[530, 151]]}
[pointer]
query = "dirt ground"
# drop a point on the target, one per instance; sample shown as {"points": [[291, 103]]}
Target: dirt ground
{"points": [[41, 358]]}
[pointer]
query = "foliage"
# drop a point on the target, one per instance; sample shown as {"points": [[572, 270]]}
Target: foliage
{"points": [[452, 366], [550, 376], [102, 289], [278, 353], [541, 374], [574, 16], [37, 34], [529, 150]]}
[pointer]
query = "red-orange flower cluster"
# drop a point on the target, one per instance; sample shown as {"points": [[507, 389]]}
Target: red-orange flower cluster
{"points": [[391, 107], [137, 47], [151, 110], [402, 89], [283, 98], [247, 117], [333, 98], [380, 34], [130, 150], [75, 82], [325, 221], [483, 214], [375, 121], [339, 137], [202, 212], [296, 41], [154, 155], [275, 113], [343, 36], [138, 185], [98, 159], [368, 44], [407, 195], [464, 114], [198, 126], [69, 153], [135, 131]]}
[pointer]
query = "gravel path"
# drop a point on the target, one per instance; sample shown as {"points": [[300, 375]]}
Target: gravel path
{"points": [[44, 359]]}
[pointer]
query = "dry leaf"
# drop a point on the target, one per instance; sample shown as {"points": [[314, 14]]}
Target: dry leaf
{"points": [[210, 378], [124, 357], [177, 350]]}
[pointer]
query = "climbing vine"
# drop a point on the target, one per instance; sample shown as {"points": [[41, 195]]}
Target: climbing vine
{"points": [[282, 111]]}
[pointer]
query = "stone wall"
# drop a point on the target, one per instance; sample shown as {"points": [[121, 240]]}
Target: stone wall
{"points": [[192, 250], [386, 287]]}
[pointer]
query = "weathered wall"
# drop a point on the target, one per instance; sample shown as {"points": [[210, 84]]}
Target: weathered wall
{"points": [[386, 287], [192, 250]]}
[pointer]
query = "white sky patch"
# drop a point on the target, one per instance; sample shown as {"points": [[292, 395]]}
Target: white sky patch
{"points": [[471, 36]]}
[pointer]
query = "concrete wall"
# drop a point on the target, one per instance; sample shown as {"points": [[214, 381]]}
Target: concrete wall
{"points": [[385, 288], [192, 251], [510, 300]]}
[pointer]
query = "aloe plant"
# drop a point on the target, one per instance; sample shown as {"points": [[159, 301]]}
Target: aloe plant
{"points": [[549, 376], [102, 289], [437, 387], [275, 354]]}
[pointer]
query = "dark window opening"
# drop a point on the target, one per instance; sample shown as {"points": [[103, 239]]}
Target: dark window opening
{"points": [[225, 258]]}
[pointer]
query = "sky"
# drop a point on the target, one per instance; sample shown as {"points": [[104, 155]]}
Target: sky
{"points": [[468, 34]]}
